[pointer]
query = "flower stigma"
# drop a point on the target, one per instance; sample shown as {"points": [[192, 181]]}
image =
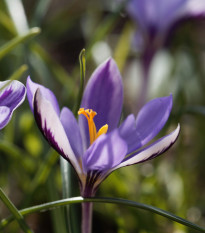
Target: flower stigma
{"points": [[90, 114]]}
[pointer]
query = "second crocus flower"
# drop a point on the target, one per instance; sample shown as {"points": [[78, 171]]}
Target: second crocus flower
{"points": [[12, 94]]}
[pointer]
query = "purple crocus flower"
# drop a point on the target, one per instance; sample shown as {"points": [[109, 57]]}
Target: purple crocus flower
{"points": [[12, 94], [156, 18], [96, 144]]}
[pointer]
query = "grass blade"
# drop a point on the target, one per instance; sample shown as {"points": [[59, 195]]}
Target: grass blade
{"points": [[125, 202], [18, 40], [16, 214]]}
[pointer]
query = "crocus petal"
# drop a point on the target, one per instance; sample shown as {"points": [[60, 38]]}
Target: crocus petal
{"points": [[4, 116], [106, 152], [12, 94], [103, 94], [152, 151], [48, 94], [152, 118], [130, 134], [194, 8], [72, 131], [52, 129], [151, 14], [149, 122], [171, 10]]}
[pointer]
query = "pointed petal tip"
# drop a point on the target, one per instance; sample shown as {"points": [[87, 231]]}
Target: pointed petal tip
{"points": [[104, 94], [109, 62], [47, 93], [28, 81], [155, 149], [169, 98]]}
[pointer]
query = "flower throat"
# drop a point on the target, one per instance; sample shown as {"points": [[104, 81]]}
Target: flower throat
{"points": [[90, 114]]}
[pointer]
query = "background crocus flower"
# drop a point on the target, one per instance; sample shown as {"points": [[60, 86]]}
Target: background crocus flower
{"points": [[96, 145], [12, 94], [111, 146], [155, 18]]}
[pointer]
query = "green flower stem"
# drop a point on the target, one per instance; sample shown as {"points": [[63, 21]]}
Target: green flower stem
{"points": [[16, 214], [66, 180], [76, 200], [18, 40]]}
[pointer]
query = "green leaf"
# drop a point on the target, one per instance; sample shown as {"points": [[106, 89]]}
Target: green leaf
{"points": [[16, 153], [19, 72], [66, 183], [7, 22], [44, 170], [40, 11], [16, 214], [103, 29], [75, 200], [194, 110], [57, 70], [18, 40], [123, 46], [58, 220], [19, 20]]}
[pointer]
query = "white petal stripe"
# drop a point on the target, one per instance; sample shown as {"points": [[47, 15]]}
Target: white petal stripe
{"points": [[51, 126], [153, 150]]}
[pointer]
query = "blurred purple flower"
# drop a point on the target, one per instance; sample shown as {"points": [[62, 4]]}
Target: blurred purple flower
{"points": [[12, 94], [95, 145], [156, 17], [156, 20]]}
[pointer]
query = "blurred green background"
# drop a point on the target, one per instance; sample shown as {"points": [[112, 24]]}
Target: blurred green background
{"points": [[30, 169]]}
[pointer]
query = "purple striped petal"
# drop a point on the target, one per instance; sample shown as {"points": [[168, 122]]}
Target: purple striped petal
{"points": [[4, 116], [52, 129], [103, 94], [106, 152], [48, 94], [152, 118], [72, 131], [12, 94], [152, 151]]}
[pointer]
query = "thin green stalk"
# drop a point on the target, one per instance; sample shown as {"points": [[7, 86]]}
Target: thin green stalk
{"points": [[82, 61], [57, 215], [76, 200], [19, 72], [18, 40], [15, 153], [16, 214], [66, 180], [44, 170], [19, 20], [69, 189], [60, 74]]}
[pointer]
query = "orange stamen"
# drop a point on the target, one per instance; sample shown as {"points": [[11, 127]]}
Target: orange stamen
{"points": [[90, 114]]}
